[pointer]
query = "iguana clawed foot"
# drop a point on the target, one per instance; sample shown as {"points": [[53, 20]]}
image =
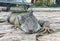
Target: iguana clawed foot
{"points": [[46, 30]]}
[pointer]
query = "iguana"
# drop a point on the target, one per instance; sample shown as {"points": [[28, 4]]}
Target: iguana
{"points": [[29, 24]]}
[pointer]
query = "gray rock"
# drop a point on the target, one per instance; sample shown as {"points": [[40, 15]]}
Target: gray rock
{"points": [[30, 23], [10, 39]]}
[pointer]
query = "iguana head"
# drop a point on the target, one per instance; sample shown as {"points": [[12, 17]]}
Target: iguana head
{"points": [[30, 24]]}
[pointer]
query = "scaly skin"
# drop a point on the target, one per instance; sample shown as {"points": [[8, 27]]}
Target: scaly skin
{"points": [[45, 27]]}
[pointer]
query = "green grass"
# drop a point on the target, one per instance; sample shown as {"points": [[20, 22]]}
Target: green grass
{"points": [[46, 6], [20, 13], [20, 6], [38, 6]]}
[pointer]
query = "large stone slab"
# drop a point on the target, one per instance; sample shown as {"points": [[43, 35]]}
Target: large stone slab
{"points": [[18, 37], [4, 15], [50, 37], [5, 28]]}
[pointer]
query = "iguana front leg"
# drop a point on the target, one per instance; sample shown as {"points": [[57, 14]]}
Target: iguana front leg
{"points": [[16, 22], [50, 31], [45, 27]]}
